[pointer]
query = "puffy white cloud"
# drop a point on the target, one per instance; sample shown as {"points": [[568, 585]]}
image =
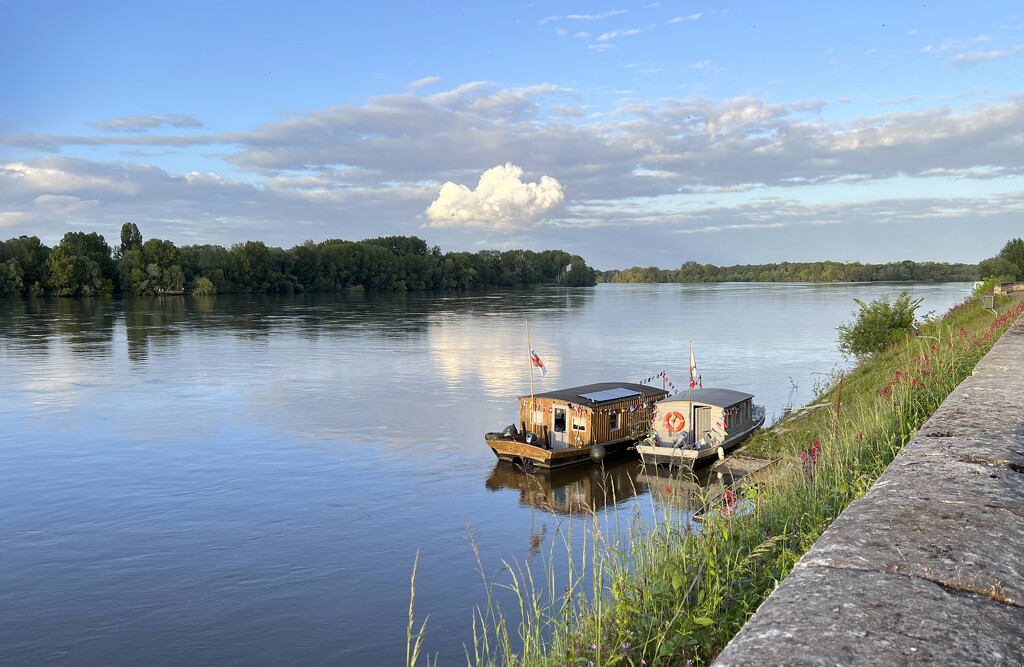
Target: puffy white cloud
{"points": [[501, 201]]}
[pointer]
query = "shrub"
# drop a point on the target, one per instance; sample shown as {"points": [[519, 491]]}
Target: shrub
{"points": [[879, 324]]}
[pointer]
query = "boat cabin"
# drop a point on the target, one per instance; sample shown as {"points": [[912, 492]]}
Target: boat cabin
{"points": [[689, 416], [595, 414]]}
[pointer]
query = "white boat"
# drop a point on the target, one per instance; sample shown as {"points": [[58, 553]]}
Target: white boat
{"points": [[696, 427]]}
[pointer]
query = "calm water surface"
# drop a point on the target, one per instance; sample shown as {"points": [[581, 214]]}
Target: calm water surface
{"points": [[247, 480]]}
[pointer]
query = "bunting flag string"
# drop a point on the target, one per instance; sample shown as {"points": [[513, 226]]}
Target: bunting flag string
{"points": [[664, 376]]}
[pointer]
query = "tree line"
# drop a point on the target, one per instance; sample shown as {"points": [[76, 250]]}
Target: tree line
{"points": [[813, 272], [84, 264], [1006, 266]]}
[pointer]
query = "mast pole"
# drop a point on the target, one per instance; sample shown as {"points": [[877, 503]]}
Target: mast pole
{"points": [[689, 399], [529, 355]]}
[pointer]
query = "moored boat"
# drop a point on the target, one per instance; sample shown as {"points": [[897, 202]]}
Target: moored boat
{"points": [[692, 429], [576, 425]]}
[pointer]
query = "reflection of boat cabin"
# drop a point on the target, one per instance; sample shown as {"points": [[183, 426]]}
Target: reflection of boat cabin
{"points": [[593, 414], [702, 410], [569, 490]]}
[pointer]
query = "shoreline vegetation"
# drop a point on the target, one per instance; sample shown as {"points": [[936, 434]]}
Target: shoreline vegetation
{"points": [[1008, 265], [673, 590], [83, 265], [798, 272]]}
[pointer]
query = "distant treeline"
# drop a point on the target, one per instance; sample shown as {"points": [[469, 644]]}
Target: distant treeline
{"points": [[692, 272], [85, 265]]}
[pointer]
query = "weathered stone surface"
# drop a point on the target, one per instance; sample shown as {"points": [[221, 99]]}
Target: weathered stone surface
{"points": [[927, 567], [959, 524], [851, 617]]}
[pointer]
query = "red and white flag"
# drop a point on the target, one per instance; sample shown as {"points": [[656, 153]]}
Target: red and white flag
{"points": [[693, 369]]}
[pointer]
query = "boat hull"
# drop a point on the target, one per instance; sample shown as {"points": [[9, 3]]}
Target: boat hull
{"points": [[691, 458], [532, 456]]}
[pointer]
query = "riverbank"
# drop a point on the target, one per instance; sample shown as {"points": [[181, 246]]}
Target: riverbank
{"points": [[670, 592], [926, 567]]}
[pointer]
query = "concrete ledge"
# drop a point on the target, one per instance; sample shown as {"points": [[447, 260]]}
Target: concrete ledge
{"points": [[927, 567]]}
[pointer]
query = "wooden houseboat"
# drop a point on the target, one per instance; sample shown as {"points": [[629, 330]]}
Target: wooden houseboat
{"points": [[693, 428], [575, 425]]}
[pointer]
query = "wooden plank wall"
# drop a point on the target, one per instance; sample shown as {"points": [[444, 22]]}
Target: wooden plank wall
{"points": [[598, 422]]}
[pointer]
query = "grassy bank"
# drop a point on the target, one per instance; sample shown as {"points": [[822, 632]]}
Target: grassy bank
{"points": [[669, 591]]}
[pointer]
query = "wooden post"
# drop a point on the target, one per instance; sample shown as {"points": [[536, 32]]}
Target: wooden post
{"points": [[839, 393]]}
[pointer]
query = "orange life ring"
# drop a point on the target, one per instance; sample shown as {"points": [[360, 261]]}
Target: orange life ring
{"points": [[675, 422]]}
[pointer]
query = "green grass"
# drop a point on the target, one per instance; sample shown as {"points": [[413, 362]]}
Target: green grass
{"points": [[664, 591]]}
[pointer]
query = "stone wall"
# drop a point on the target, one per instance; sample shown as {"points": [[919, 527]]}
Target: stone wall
{"points": [[1007, 288], [928, 566]]}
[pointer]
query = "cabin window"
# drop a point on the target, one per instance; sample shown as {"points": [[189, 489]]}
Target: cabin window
{"points": [[559, 421], [613, 422], [537, 417], [579, 424]]}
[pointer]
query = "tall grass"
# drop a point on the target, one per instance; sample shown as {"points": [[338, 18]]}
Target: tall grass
{"points": [[665, 590]]}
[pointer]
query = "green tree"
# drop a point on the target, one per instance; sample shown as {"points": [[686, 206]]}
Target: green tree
{"points": [[203, 287], [131, 238], [134, 277], [249, 266], [93, 247], [1013, 252], [173, 279], [997, 267], [68, 274], [878, 325], [11, 274], [162, 253], [31, 255]]}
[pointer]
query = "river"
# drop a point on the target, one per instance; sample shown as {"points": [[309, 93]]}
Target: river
{"points": [[248, 479]]}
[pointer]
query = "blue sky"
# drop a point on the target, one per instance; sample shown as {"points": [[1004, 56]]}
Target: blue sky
{"points": [[647, 134]]}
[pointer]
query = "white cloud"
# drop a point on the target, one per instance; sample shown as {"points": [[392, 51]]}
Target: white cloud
{"points": [[612, 34], [63, 204], [12, 218], [975, 57], [680, 19], [501, 201], [142, 123], [583, 17], [596, 17], [425, 82], [47, 178]]}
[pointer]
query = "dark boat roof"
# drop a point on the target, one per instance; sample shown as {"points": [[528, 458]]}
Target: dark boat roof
{"points": [[591, 394], [709, 396]]}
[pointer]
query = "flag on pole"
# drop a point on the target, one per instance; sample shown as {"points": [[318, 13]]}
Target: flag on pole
{"points": [[693, 369], [538, 363]]}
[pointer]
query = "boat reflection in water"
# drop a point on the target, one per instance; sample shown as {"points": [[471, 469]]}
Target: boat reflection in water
{"points": [[590, 488], [573, 490], [683, 488], [710, 489]]}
